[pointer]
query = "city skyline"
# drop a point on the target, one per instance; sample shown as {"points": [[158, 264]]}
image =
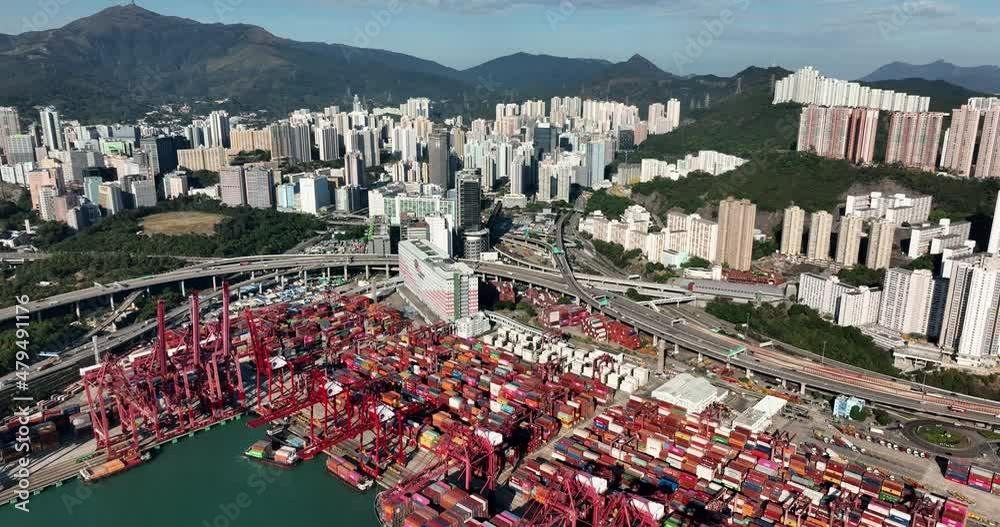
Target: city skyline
{"points": [[680, 36]]}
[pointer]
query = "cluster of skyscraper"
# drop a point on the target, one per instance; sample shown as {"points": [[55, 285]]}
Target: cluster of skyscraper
{"points": [[728, 242], [957, 308], [970, 146]]}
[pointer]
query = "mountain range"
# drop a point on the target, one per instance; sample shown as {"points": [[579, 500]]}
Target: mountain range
{"points": [[985, 79], [124, 60]]}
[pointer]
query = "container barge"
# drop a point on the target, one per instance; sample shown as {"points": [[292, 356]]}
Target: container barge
{"points": [[264, 452], [348, 472], [112, 467]]}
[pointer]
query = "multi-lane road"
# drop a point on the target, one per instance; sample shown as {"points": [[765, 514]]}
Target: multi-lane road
{"points": [[830, 377]]}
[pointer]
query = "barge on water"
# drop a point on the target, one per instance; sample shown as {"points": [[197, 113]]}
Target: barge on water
{"points": [[264, 451], [112, 467], [349, 473]]}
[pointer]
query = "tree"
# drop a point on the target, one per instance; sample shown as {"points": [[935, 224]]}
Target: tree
{"points": [[882, 417], [859, 413], [696, 262]]}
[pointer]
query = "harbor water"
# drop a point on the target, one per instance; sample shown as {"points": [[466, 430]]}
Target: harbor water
{"points": [[203, 481]]}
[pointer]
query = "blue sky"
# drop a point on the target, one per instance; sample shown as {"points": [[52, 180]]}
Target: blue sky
{"points": [[846, 38]]}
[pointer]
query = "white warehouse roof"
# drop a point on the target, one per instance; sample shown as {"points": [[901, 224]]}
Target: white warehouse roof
{"points": [[694, 394], [758, 418]]}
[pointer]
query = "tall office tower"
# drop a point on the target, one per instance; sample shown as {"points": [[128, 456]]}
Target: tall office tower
{"points": [[468, 187], [259, 187], [994, 244], [457, 141], [314, 193], [912, 301], [281, 140], [92, 188], [10, 124], [970, 324], [791, 231], [439, 158], [22, 149], [849, 240], [232, 186], [544, 139], [736, 223], [218, 126], [597, 160], [369, 147], [961, 142], [329, 143], [300, 143], [162, 154], [880, 239], [354, 170], [144, 192], [861, 130], [52, 131], [988, 162], [914, 139]]}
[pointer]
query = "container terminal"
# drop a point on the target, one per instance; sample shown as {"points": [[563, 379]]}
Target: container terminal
{"points": [[507, 426]]}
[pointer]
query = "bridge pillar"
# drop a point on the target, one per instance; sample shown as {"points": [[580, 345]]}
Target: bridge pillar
{"points": [[661, 358], [386, 271], [802, 388], [368, 272], [253, 274], [700, 358], [184, 290], [784, 383], [656, 340], [111, 297], [305, 277], [260, 288], [215, 287], [677, 350], [78, 311], [749, 373], [345, 272]]}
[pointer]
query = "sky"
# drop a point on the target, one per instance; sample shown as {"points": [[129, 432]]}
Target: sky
{"points": [[843, 38]]}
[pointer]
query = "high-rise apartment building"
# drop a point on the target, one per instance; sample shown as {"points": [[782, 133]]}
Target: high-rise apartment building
{"points": [[232, 186], [329, 143], [354, 170], [10, 124], [300, 143], [791, 231], [912, 302], [259, 187], [162, 153], [52, 131], [314, 193], [880, 238], [218, 125], [960, 144], [972, 311], [737, 219], [175, 185], [988, 162], [820, 231], [143, 192], [110, 198], [994, 244], [450, 289], [849, 240], [22, 149], [861, 130], [914, 139]]}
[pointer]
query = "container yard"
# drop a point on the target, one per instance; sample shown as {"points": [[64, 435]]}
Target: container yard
{"points": [[518, 427]]}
